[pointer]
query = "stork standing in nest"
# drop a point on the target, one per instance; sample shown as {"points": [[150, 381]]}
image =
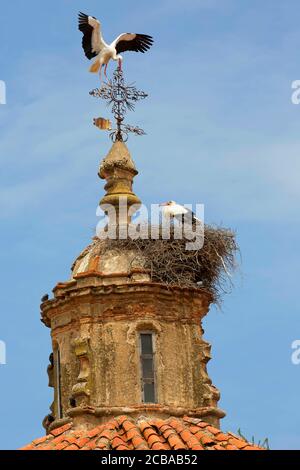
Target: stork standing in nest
{"points": [[173, 210], [94, 45]]}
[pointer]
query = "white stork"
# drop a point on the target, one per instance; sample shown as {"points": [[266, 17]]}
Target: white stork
{"points": [[94, 45], [172, 210]]}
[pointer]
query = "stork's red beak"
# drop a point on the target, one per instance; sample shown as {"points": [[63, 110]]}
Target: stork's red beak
{"points": [[163, 204]]}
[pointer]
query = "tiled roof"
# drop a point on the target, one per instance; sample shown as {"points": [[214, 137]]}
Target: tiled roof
{"points": [[124, 433]]}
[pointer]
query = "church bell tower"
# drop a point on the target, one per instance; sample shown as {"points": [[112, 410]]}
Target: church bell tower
{"points": [[128, 365]]}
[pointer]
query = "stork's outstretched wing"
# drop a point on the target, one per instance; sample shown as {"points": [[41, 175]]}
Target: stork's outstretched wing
{"points": [[133, 42], [92, 41]]}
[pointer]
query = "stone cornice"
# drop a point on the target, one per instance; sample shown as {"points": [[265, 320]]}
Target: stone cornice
{"points": [[91, 415], [74, 295]]}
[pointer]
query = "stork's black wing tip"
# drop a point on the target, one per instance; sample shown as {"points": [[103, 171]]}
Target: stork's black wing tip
{"points": [[82, 16], [146, 36]]}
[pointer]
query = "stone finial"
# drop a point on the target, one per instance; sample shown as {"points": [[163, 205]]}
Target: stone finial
{"points": [[119, 170]]}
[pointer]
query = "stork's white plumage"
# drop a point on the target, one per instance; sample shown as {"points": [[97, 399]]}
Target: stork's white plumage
{"points": [[94, 45], [172, 210]]}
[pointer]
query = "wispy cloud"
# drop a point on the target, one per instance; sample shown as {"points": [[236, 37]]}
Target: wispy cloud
{"points": [[48, 143]]}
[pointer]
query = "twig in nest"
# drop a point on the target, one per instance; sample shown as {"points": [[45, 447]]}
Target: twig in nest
{"points": [[170, 263]]}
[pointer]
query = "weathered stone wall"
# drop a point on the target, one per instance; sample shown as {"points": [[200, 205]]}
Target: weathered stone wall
{"points": [[97, 330]]}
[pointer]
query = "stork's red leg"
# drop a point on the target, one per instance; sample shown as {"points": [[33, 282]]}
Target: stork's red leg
{"points": [[105, 69], [120, 64], [100, 74]]}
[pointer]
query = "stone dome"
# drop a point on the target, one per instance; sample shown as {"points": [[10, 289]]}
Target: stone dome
{"points": [[110, 264]]}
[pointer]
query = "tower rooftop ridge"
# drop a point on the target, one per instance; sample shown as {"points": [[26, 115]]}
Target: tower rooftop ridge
{"points": [[143, 433]]}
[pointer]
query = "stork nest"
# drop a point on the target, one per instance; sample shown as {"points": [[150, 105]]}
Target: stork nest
{"points": [[170, 263]]}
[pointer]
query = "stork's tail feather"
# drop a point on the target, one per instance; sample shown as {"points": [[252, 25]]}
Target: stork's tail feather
{"points": [[95, 67]]}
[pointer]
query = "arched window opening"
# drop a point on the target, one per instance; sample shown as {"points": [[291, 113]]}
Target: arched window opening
{"points": [[147, 360]]}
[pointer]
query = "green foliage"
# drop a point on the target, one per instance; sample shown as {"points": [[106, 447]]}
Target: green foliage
{"points": [[264, 444]]}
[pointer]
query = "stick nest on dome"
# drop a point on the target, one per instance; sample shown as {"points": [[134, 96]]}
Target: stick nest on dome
{"points": [[170, 263]]}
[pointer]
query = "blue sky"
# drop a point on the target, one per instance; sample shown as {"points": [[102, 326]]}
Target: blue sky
{"points": [[221, 130]]}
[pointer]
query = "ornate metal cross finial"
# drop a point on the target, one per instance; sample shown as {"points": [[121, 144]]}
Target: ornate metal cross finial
{"points": [[121, 98]]}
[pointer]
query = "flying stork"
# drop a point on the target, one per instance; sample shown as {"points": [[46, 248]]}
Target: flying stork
{"points": [[94, 45], [172, 210]]}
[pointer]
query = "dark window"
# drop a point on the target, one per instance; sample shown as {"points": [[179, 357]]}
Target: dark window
{"points": [[58, 383], [147, 368]]}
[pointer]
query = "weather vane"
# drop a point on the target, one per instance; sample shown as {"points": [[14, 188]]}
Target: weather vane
{"points": [[120, 96]]}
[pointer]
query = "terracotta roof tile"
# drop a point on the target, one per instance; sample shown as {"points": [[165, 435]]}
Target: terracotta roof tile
{"points": [[158, 446], [173, 422], [126, 433], [179, 429], [82, 441], [61, 430], [132, 433], [28, 447], [45, 447], [153, 439], [117, 441], [71, 447], [138, 441], [168, 432], [190, 420], [239, 443], [121, 419], [191, 443], [40, 440], [106, 434], [218, 447], [91, 444], [231, 447], [203, 425], [221, 437], [198, 447], [186, 436], [144, 425], [70, 439], [159, 423], [194, 429], [94, 432], [206, 440], [253, 447], [58, 439], [175, 442], [149, 432], [179, 447], [61, 445], [200, 434], [213, 430], [127, 425], [165, 427], [102, 446]]}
